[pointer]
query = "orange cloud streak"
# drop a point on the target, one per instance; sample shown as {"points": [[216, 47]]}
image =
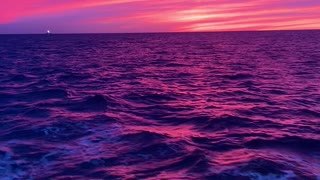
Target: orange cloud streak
{"points": [[167, 15]]}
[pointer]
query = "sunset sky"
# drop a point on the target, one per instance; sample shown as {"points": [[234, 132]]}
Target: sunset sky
{"points": [[98, 16]]}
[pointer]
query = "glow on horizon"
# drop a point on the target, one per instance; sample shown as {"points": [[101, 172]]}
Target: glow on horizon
{"points": [[33, 16]]}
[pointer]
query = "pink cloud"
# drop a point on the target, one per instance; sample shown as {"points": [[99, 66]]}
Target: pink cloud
{"points": [[164, 15]]}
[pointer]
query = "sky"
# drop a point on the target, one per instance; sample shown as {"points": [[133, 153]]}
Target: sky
{"points": [[117, 16]]}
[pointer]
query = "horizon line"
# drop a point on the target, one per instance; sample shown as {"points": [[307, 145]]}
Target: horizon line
{"points": [[154, 32]]}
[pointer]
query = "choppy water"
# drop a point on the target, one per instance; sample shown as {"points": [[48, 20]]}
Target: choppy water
{"points": [[150, 106]]}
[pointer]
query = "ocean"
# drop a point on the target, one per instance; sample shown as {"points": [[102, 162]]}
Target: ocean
{"points": [[228, 105]]}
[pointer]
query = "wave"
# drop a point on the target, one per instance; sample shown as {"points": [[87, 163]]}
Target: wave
{"points": [[160, 106], [96, 103], [293, 143]]}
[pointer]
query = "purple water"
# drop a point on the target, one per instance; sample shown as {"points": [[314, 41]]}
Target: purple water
{"points": [[242, 105]]}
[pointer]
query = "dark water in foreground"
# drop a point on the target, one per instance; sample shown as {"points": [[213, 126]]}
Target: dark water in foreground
{"points": [[150, 106]]}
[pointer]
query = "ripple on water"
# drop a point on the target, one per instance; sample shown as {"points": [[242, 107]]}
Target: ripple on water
{"points": [[37, 113], [240, 105], [194, 162], [260, 168], [293, 143], [143, 137], [41, 95], [96, 103]]}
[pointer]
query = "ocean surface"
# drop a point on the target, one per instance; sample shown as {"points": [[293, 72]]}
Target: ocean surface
{"points": [[237, 105]]}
